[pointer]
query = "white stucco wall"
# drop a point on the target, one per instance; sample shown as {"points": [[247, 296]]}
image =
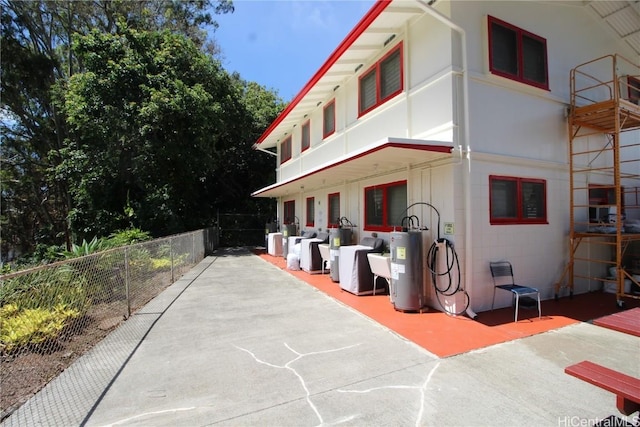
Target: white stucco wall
{"points": [[515, 130]]}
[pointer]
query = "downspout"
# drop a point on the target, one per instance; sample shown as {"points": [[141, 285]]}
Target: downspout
{"points": [[466, 182]]}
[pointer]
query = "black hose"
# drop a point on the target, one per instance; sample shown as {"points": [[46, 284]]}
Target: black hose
{"points": [[452, 272]]}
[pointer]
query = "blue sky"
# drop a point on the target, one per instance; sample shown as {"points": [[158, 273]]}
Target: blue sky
{"points": [[281, 44]]}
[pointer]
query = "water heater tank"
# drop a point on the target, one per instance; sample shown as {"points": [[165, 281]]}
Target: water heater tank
{"points": [[406, 270]]}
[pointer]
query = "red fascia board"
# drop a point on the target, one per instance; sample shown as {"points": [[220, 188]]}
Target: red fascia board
{"points": [[356, 32]]}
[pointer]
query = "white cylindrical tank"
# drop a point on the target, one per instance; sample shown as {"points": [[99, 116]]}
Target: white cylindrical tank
{"points": [[337, 237]]}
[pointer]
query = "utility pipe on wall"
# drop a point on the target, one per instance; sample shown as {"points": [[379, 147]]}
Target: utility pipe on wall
{"points": [[468, 252]]}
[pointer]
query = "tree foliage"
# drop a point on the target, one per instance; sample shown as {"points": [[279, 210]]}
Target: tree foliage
{"points": [[156, 119], [114, 114]]}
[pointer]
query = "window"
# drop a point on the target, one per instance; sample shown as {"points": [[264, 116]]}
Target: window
{"points": [[517, 54], [517, 200], [329, 119], [385, 206], [285, 150], [381, 82], [602, 203], [289, 212], [634, 89], [311, 218], [333, 213], [306, 136]]}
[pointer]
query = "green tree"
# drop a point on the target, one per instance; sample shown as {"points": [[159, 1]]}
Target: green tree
{"points": [[254, 170], [162, 130], [36, 56]]}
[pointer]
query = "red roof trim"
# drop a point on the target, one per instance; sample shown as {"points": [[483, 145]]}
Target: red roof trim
{"points": [[356, 32]]}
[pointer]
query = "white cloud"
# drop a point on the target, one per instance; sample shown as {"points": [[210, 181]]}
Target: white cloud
{"points": [[313, 15]]}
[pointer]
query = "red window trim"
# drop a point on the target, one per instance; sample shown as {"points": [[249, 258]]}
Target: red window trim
{"points": [[310, 221], [519, 33], [376, 67], [385, 227], [306, 125], [285, 149], [325, 134], [329, 223], [519, 219]]}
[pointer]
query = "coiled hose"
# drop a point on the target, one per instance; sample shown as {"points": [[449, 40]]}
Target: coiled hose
{"points": [[452, 270], [453, 279]]}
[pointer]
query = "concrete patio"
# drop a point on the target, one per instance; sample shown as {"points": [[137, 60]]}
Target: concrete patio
{"points": [[239, 342]]}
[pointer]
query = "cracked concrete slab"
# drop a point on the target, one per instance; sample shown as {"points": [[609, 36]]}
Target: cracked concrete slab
{"points": [[238, 342]]}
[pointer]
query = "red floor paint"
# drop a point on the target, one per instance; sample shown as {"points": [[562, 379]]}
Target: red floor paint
{"points": [[445, 335]]}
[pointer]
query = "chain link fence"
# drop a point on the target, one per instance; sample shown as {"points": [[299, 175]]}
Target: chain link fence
{"points": [[53, 314]]}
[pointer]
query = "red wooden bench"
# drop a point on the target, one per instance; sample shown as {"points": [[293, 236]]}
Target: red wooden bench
{"points": [[625, 387]]}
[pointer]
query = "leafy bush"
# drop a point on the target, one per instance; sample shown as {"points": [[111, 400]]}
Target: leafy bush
{"points": [[160, 263], [46, 289], [128, 237], [86, 248], [36, 307], [32, 326], [43, 254]]}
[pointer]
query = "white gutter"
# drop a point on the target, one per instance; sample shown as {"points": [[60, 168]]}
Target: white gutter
{"points": [[468, 252]]}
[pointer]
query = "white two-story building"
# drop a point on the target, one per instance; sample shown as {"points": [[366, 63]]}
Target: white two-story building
{"points": [[461, 106]]}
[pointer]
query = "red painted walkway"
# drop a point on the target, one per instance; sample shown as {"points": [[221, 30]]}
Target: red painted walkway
{"points": [[445, 335]]}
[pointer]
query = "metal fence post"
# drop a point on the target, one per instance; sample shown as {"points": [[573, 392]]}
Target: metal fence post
{"points": [[171, 255], [127, 279]]}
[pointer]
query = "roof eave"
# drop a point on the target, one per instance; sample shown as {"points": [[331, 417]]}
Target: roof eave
{"points": [[353, 35]]}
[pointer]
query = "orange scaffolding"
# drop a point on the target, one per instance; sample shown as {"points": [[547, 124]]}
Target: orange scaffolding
{"points": [[604, 162]]}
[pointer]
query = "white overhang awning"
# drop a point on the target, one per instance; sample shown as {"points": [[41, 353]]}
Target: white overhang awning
{"points": [[383, 156]]}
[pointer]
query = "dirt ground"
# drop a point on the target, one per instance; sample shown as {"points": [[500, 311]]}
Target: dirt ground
{"points": [[23, 375]]}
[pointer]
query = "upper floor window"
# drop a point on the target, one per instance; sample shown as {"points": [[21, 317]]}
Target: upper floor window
{"points": [[517, 200], [329, 119], [385, 206], [517, 54], [306, 136], [311, 218], [333, 213], [381, 82], [285, 150]]}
